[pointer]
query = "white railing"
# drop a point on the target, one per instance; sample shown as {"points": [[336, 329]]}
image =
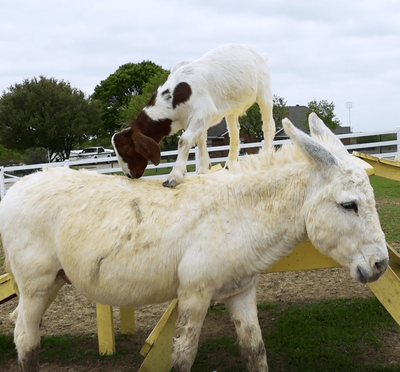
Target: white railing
{"points": [[9, 175]]}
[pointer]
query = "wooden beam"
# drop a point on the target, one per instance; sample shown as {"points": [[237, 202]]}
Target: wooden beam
{"points": [[383, 167], [158, 346], [7, 291], [304, 257]]}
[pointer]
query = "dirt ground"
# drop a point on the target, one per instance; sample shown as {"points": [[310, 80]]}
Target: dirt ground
{"points": [[74, 313], [71, 313]]}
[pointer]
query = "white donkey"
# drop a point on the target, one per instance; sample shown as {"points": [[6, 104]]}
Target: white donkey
{"points": [[130, 242]]}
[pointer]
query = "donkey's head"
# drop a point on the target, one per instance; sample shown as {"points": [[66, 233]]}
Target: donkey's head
{"points": [[340, 213]]}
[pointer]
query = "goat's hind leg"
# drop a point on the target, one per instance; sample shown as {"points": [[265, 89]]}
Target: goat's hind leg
{"points": [[234, 129], [31, 307], [243, 310], [268, 127], [204, 157]]}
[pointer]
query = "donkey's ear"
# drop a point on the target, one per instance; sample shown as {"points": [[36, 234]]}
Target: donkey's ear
{"points": [[147, 147], [322, 134], [311, 148]]}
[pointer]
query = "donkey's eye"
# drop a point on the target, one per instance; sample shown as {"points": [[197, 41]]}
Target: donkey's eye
{"points": [[350, 206]]}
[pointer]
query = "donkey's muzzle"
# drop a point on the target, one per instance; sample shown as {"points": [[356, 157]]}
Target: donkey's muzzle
{"points": [[378, 268]]}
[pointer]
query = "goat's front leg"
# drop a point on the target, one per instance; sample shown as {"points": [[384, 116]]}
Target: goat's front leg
{"points": [[192, 311], [187, 140], [243, 310]]}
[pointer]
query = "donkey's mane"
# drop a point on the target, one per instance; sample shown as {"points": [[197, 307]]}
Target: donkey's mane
{"points": [[287, 153]]}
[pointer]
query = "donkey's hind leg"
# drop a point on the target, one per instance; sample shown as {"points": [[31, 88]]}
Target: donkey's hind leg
{"points": [[243, 310], [31, 308]]}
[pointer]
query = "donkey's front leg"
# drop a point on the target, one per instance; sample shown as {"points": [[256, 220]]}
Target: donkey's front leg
{"points": [[192, 310], [243, 310]]}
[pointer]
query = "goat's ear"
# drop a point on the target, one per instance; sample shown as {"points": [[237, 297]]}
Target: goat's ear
{"points": [[311, 148], [147, 147]]}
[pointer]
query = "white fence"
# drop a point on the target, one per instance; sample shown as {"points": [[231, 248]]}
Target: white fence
{"points": [[384, 149]]}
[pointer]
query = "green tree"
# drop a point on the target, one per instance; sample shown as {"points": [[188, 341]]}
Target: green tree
{"points": [[280, 111], [325, 112], [139, 101], [115, 92], [9, 157], [251, 122], [47, 113]]}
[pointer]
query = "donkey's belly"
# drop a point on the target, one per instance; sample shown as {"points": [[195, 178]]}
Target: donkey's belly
{"points": [[121, 286]]}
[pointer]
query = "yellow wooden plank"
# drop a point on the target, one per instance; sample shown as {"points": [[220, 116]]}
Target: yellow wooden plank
{"points": [[393, 254], [383, 167], [105, 329], [127, 320], [304, 257], [387, 290], [7, 290], [368, 167], [5, 277], [158, 346]]}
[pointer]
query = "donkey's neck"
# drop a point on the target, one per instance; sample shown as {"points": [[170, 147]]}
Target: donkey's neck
{"points": [[270, 208]]}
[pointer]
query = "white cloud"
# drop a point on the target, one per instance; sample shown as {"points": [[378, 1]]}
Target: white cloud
{"points": [[335, 50]]}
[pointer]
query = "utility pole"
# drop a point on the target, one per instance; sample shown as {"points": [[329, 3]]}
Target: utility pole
{"points": [[349, 105]]}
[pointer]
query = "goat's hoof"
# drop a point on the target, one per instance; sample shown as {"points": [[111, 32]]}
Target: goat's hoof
{"points": [[170, 183]]}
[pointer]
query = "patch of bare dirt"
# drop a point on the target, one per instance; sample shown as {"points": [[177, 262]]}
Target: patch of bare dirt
{"points": [[72, 313]]}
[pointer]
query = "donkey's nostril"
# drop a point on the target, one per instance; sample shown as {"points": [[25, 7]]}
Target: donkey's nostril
{"points": [[381, 265]]}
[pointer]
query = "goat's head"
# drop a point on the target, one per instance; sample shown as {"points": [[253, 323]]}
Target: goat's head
{"points": [[134, 150], [138, 143]]}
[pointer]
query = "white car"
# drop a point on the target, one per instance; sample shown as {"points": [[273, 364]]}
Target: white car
{"points": [[96, 152]]}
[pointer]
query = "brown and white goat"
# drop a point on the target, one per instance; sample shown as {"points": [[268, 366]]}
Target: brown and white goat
{"points": [[198, 94]]}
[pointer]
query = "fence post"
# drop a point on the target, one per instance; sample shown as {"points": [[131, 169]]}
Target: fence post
{"points": [[2, 184], [66, 163], [398, 144]]}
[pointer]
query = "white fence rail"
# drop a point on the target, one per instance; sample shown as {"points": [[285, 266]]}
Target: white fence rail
{"points": [[388, 149]]}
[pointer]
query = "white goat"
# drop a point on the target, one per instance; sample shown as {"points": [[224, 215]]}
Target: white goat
{"points": [[132, 242], [198, 94]]}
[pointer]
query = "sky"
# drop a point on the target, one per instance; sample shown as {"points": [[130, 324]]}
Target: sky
{"points": [[339, 51]]}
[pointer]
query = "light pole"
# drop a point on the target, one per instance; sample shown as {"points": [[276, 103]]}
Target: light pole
{"points": [[349, 105]]}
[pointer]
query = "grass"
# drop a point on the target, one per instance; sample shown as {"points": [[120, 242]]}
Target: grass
{"points": [[329, 335], [387, 195]]}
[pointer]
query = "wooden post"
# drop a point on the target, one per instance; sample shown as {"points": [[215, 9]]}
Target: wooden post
{"points": [[127, 320], [105, 328]]}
